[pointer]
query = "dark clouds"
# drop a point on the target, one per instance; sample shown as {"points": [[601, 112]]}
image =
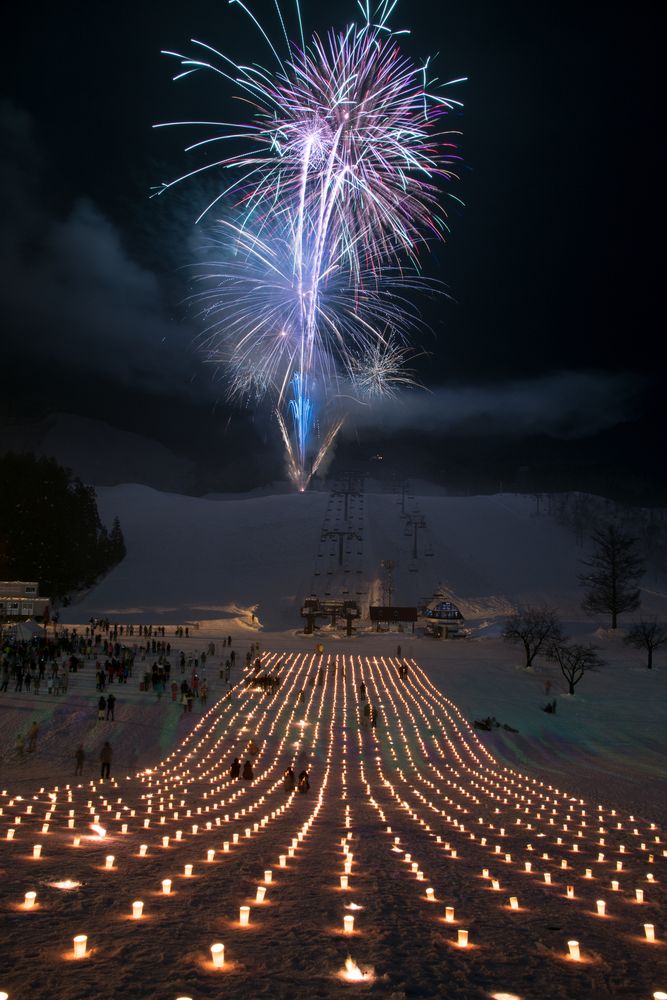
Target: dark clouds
{"points": [[70, 291]]}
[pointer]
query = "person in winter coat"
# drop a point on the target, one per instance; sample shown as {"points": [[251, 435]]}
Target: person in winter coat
{"points": [[304, 783], [105, 759], [101, 708], [79, 757], [247, 771], [288, 780], [235, 769]]}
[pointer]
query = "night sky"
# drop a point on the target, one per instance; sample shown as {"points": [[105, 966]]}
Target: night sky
{"points": [[543, 362]]}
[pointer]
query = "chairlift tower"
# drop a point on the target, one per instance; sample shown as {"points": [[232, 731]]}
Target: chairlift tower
{"points": [[414, 524], [341, 534], [388, 565], [352, 486]]}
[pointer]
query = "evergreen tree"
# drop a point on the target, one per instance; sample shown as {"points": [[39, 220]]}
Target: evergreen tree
{"points": [[50, 528], [613, 571]]}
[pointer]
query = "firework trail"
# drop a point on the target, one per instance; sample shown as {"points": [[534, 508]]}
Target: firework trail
{"points": [[333, 195]]}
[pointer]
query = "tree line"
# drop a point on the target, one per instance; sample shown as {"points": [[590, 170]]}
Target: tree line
{"points": [[610, 579], [50, 528]]}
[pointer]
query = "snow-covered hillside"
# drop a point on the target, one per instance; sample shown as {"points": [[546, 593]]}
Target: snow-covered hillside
{"points": [[209, 558]]}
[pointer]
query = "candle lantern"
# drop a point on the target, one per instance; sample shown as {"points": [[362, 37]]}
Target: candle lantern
{"points": [[244, 916], [218, 955], [137, 909], [166, 886], [573, 948], [462, 938], [348, 923], [29, 900], [80, 944]]}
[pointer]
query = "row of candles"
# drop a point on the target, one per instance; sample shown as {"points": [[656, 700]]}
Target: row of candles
{"points": [[162, 776]]}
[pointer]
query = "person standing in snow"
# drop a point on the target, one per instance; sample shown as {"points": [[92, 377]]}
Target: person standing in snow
{"points": [[304, 782], [32, 737], [111, 703], [101, 708], [105, 758], [247, 771], [288, 780], [79, 757], [235, 769]]}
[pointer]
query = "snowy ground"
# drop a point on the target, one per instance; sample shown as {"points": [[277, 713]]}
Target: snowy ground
{"points": [[426, 774]]}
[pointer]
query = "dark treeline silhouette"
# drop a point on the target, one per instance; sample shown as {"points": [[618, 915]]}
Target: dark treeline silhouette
{"points": [[50, 529]]}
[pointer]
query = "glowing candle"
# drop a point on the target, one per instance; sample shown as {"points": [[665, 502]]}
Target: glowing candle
{"points": [[282, 860], [547, 878], [225, 846], [528, 865], [210, 854], [462, 939], [589, 873], [218, 954], [601, 907], [649, 931], [137, 909], [639, 895], [244, 916], [235, 838], [268, 875], [261, 892], [570, 892], [123, 828], [80, 942], [430, 895], [348, 923], [109, 861], [573, 947], [343, 881], [142, 850], [188, 871], [10, 834], [76, 841], [166, 886], [165, 841], [29, 900], [37, 850], [514, 903]]}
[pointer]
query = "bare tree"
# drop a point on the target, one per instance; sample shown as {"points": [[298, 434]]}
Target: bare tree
{"points": [[614, 568], [534, 628], [648, 635], [574, 660]]}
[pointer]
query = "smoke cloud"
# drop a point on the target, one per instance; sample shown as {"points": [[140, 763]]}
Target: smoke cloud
{"points": [[563, 405]]}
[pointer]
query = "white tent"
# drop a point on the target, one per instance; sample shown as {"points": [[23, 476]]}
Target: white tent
{"points": [[27, 630]]}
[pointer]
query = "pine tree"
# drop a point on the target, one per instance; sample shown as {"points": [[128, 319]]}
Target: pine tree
{"points": [[614, 569], [50, 528]]}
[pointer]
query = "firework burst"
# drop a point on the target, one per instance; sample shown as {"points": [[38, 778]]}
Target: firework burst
{"points": [[332, 196]]}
